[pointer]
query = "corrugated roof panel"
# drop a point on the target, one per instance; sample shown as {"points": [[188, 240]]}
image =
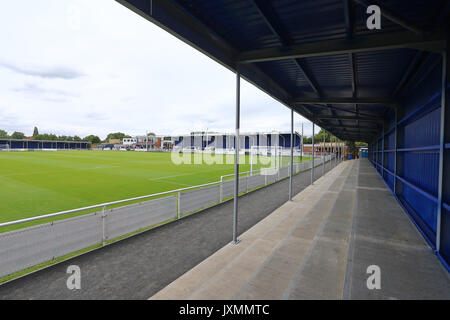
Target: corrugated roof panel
{"points": [[231, 17], [308, 21], [332, 74], [379, 72], [289, 74]]}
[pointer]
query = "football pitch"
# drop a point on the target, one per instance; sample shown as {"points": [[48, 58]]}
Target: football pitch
{"points": [[38, 183]]}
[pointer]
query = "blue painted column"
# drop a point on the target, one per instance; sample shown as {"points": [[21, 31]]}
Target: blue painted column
{"points": [[444, 135], [236, 159], [382, 154], [395, 152]]}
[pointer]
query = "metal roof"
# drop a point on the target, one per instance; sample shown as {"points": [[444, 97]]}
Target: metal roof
{"points": [[45, 141], [317, 57]]}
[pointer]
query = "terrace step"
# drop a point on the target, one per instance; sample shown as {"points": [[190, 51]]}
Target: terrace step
{"points": [[273, 247]]}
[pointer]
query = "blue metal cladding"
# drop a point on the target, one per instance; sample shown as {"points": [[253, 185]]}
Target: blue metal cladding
{"points": [[34, 144], [418, 139], [445, 233]]}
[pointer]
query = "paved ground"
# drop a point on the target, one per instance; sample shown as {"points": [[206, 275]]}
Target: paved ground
{"points": [[319, 247], [138, 267]]}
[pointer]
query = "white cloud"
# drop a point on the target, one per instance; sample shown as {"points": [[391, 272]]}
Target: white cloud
{"points": [[93, 67]]}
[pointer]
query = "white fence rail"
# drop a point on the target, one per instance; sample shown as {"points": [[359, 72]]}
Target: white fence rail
{"points": [[27, 247]]}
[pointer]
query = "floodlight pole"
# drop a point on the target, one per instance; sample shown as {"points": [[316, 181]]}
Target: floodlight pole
{"points": [[292, 155], [236, 159], [312, 168]]}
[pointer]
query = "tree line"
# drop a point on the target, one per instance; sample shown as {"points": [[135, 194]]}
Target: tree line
{"points": [[318, 138], [16, 135], [94, 139]]}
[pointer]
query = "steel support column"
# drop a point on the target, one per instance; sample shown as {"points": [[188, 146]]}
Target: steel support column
{"points": [[323, 153], [444, 116], [339, 151], [236, 158], [335, 148], [395, 152], [331, 152], [382, 154], [292, 155], [301, 149], [312, 168]]}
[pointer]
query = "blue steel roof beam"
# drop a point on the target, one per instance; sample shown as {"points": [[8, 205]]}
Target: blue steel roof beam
{"points": [[349, 21], [272, 21], [267, 14], [354, 80], [413, 67], [394, 17], [342, 110], [313, 84], [420, 56], [307, 114], [349, 25], [325, 100], [399, 40], [357, 127], [366, 119]]}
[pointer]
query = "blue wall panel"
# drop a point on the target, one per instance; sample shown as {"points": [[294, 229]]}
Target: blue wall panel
{"points": [[418, 140], [445, 234]]}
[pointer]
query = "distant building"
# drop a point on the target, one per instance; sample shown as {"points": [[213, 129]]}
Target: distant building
{"points": [[129, 141]]}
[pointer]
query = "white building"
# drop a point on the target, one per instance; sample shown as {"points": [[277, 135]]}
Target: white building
{"points": [[129, 141]]}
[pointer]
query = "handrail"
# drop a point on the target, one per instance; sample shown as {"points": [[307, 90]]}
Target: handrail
{"points": [[6, 224], [255, 171]]}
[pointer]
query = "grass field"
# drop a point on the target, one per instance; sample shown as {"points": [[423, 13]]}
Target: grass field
{"points": [[37, 183]]}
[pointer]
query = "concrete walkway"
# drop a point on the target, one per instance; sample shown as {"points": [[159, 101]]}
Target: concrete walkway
{"points": [[319, 247]]}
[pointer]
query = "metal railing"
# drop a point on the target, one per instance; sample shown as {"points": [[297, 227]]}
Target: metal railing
{"points": [[103, 223]]}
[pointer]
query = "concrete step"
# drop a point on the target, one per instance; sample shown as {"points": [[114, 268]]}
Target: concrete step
{"points": [[263, 250]]}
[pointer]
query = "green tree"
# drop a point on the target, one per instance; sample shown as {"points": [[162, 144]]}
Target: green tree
{"points": [[351, 147], [117, 135], [92, 139], [319, 137], [46, 136], [18, 135], [151, 134], [35, 132], [307, 140], [3, 134]]}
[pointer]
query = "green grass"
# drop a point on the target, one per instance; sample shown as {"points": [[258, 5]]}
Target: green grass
{"points": [[38, 183]]}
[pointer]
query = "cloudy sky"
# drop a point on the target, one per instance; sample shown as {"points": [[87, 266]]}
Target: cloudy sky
{"points": [[80, 67]]}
